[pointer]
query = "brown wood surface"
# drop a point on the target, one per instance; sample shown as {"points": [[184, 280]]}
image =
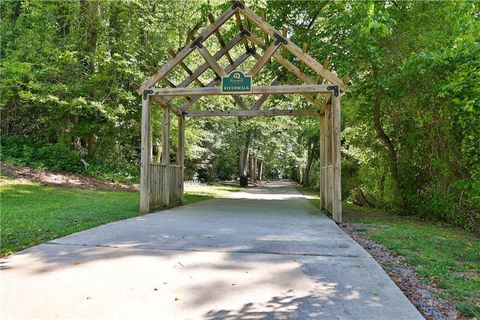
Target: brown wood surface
{"points": [[253, 113]]}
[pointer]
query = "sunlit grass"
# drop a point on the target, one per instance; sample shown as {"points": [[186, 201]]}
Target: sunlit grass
{"points": [[31, 213]]}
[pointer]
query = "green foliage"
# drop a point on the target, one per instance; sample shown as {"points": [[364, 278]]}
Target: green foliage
{"points": [[414, 70]]}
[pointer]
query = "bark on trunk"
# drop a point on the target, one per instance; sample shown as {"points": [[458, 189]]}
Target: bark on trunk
{"points": [[388, 144], [244, 160]]}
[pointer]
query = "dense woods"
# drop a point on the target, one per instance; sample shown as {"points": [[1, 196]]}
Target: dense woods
{"points": [[410, 116]]}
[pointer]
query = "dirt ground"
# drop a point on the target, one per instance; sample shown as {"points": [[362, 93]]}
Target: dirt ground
{"points": [[64, 179]]}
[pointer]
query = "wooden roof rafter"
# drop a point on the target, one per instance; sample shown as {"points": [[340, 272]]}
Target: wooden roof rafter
{"points": [[273, 40]]}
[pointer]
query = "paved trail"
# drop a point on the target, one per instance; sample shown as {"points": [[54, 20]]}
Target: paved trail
{"points": [[266, 253]]}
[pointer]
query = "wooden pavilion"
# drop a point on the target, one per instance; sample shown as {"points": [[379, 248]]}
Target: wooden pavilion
{"points": [[161, 184]]}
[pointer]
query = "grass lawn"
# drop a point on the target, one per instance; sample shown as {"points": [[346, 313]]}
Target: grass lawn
{"points": [[442, 255], [31, 213]]}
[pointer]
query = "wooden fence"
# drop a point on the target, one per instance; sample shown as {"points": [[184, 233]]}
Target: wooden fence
{"points": [[166, 185]]}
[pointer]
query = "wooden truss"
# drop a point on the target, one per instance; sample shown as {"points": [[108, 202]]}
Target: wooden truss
{"points": [[162, 183]]}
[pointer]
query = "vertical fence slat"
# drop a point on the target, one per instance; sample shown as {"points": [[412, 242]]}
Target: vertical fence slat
{"points": [[157, 174]]}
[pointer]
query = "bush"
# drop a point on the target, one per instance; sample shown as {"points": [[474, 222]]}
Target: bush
{"points": [[59, 157]]}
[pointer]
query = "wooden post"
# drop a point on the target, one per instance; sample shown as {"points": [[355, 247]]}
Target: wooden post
{"points": [[181, 152], [336, 152], [326, 155], [145, 156], [166, 157], [322, 162]]}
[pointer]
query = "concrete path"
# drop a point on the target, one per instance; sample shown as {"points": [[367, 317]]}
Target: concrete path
{"points": [[266, 253]]}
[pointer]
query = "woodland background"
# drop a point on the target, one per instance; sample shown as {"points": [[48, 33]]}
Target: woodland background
{"points": [[410, 117]]}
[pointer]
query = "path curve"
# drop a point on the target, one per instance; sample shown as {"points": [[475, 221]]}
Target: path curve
{"points": [[265, 253]]}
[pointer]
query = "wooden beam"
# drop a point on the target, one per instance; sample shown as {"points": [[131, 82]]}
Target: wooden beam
{"points": [[290, 67], [167, 104], [166, 156], [212, 62], [252, 113], [258, 104], [216, 91], [202, 68], [265, 34], [238, 20], [161, 101], [188, 49], [336, 152], [263, 59], [212, 83], [168, 82], [185, 67], [219, 72], [145, 156], [284, 52], [292, 48], [304, 50], [284, 62], [311, 98], [248, 27], [219, 37], [240, 102], [181, 152], [191, 33], [322, 162]]}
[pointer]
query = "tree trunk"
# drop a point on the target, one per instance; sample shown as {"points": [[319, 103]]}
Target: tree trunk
{"points": [[90, 11], [388, 144], [260, 170], [244, 160], [308, 168]]}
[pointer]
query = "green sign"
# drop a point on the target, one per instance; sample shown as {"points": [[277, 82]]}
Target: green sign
{"points": [[237, 81]]}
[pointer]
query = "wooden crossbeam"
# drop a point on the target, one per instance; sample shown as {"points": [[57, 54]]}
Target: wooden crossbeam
{"points": [[238, 20], [312, 99], [265, 35], [189, 48], [292, 48], [284, 62], [248, 27], [292, 68], [219, 37], [185, 67], [212, 62], [256, 90], [264, 59], [202, 68], [170, 83], [258, 104], [212, 83], [219, 72], [191, 33], [252, 113], [304, 50], [161, 101]]}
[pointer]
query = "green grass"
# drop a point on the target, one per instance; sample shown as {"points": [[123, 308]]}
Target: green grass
{"points": [[442, 255], [31, 213]]}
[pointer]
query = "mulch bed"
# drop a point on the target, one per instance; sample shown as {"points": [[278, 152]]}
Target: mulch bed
{"points": [[424, 297]]}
